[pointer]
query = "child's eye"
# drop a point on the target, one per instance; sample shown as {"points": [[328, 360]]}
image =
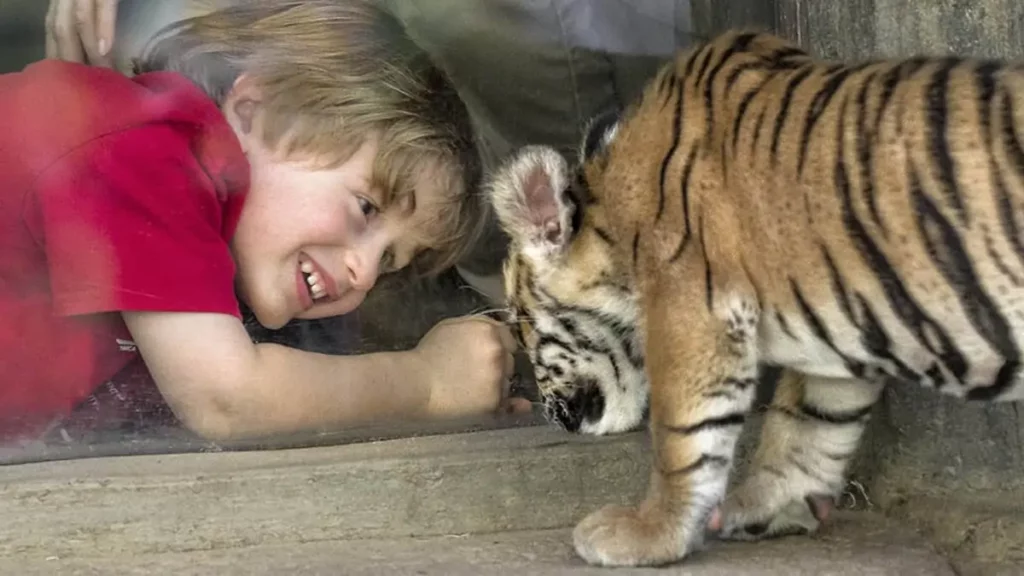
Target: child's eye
{"points": [[367, 207]]}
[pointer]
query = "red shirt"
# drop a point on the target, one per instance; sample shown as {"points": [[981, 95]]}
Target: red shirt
{"points": [[116, 194]]}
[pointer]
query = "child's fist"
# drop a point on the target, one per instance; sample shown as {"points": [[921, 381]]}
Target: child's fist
{"points": [[468, 364]]}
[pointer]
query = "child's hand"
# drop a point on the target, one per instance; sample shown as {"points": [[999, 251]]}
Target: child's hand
{"points": [[468, 363], [81, 30]]}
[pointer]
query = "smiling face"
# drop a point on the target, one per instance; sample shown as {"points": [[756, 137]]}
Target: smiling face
{"points": [[312, 240]]}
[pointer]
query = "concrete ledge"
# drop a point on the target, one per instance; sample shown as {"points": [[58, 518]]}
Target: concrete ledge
{"points": [[855, 544], [524, 479], [315, 510]]}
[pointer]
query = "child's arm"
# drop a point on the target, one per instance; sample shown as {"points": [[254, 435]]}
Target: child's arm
{"points": [[223, 386]]}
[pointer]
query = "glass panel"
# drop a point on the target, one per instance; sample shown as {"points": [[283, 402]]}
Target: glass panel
{"points": [[527, 73]]}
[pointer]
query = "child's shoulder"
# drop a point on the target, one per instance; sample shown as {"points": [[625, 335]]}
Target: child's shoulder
{"points": [[63, 106]]}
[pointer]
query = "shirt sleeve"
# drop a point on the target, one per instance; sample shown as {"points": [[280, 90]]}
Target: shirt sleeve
{"points": [[132, 222]]}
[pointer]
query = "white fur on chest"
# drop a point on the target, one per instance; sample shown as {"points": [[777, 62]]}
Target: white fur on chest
{"points": [[796, 347], [799, 346]]}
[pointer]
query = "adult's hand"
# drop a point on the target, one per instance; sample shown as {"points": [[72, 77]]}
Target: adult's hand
{"points": [[81, 31]]}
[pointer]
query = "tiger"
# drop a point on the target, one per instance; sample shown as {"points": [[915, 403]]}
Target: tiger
{"points": [[854, 224]]}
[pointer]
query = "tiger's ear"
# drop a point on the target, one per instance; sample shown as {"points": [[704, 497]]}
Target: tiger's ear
{"points": [[528, 195]]}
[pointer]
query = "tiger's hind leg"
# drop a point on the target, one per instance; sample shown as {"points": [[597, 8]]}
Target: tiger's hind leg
{"points": [[810, 434], [702, 363]]}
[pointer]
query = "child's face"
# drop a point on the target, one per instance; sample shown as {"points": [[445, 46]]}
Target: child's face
{"points": [[311, 242]]}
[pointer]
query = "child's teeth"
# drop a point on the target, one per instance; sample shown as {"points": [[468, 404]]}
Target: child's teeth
{"points": [[313, 279], [307, 267]]}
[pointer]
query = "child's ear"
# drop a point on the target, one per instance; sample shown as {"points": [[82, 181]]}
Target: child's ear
{"points": [[528, 195], [241, 105]]}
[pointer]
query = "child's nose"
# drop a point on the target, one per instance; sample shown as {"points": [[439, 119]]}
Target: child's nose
{"points": [[363, 268]]}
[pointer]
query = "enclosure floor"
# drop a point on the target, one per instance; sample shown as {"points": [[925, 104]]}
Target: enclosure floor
{"points": [[493, 502], [857, 544]]}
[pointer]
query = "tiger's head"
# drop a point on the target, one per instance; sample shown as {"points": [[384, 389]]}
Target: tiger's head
{"points": [[572, 310]]}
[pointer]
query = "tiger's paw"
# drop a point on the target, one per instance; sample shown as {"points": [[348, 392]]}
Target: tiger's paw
{"points": [[624, 536], [742, 521]]}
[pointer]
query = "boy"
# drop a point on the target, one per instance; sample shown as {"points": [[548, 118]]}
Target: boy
{"points": [[284, 152]]}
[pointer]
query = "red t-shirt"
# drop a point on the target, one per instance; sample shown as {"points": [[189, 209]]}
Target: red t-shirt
{"points": [[116, 194]]}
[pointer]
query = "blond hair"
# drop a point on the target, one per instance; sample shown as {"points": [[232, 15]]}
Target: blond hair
{"points": [[334, 73]]}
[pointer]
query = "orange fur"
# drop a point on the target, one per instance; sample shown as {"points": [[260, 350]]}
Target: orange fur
{"points": [[851, 223]]}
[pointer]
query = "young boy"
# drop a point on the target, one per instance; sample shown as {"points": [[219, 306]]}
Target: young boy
{"points": [[285, 153]]}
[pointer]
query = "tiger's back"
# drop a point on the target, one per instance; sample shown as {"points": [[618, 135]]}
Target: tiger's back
{"points": [[875, 208], [854, 224]]}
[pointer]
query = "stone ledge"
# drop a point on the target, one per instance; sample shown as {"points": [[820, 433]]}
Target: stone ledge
{"points": [[523, 479], [855, 544]]}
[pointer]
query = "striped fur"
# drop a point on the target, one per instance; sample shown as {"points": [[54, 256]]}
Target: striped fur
{"points": [[576, 320], [853, 224]]}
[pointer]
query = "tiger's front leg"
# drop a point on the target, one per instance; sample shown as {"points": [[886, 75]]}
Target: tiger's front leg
{"points": [[702, 363]]}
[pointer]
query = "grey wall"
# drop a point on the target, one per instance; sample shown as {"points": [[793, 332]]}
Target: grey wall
{"points": [[21, 33]]}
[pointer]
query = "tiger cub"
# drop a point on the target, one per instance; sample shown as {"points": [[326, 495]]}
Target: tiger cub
{"points": [[851, 224]]}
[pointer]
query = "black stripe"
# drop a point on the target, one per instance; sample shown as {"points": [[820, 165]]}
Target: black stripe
{"points": [[625, 332], [545, 341], [840, 418], [704, 460], [586, 344], [784, 324], [985, 82], [603, 235], [667, 80], [787, 99], [938, 143], [708, 289], [743, 384], [739, 44], [984, 76], [818, 105], [935, 374], [757, 130], [812, 319], [599, 126], [738, 71], [839, 287], [892, 285], [1007, 211], [787, 58], [1013, 145], [876, 341], [677, 125], [741, 112], [997, 257], [684, 193], [892, 79], [865, 160], [735, 419], [704, 63], [942, 240], [702, 50]]}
